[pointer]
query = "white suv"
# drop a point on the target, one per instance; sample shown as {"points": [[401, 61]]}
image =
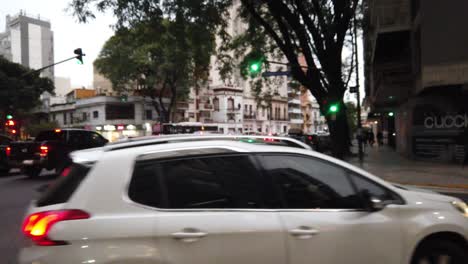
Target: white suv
{"points": [[221, 201]]}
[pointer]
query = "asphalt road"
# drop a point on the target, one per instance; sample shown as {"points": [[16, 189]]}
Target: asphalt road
{"points": [[16, 191]]}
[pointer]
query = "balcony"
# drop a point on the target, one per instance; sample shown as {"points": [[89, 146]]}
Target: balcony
{"points": [[182, 105], [250, 116], [232, 110], [294, 111], [294, 101], [296, 121], [206, 107], [389, 16]]}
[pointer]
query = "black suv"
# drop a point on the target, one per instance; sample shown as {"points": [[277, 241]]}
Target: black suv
{"points": [[50, 149]]}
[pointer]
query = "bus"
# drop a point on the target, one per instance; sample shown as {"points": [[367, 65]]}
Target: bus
{"points": [[188, 128]]}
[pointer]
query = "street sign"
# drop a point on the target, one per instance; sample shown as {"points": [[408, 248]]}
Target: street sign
{"points": [[276, 73]]}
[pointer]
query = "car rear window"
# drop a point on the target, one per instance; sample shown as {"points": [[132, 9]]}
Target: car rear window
{"points": [[50, 135], [62, 189]]}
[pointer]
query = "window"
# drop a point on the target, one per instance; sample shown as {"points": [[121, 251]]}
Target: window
{"points": [[63, 188], [95, 114], [50, 135], [95, 140], [250, 109], [71, 118], [208, 182], [263, 111], [216, 104], [85, 115], [371, 189], [308, 183], [149, 114], [64, 118], [230, 102], [121, 111]]}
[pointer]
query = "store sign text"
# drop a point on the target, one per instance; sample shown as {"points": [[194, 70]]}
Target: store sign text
{"points": [[447, 121]]}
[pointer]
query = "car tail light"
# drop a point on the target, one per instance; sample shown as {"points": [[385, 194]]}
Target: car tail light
{"points": [[8, 151], [65, 172], [44, 150], [269, 139], [37, 226]]}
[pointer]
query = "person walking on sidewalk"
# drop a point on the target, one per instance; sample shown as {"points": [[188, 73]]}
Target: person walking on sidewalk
{"points": [[380, 138], [370, 138]]}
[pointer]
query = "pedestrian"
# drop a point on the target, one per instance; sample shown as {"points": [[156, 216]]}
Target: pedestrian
{"points": [[379, 138], [371, 138]]}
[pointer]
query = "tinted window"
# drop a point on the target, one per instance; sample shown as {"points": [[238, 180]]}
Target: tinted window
{"points": [[95, 140], [372, 189], [308, 183], [62, 189], [50, 135], [209, 182]]}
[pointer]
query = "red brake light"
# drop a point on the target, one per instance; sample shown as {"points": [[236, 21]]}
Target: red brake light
{"points": [[44, 151], [8, 151], [65, 172], [37, 225]]}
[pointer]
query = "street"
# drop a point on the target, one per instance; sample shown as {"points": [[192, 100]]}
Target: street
{"points": [[16, 191]]}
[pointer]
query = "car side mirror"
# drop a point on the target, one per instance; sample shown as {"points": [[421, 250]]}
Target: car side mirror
{"points": [[372, 203]]}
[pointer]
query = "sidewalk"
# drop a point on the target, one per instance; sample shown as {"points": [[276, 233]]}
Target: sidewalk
{"points": [[391, 166]]}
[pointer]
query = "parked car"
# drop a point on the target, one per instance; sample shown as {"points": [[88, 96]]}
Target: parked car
{"points": [[320, 142], [192, 200], [4, 149], [50, 149]]}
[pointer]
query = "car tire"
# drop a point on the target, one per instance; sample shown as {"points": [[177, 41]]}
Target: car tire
{"points": [[32, 172], [440, 251]]}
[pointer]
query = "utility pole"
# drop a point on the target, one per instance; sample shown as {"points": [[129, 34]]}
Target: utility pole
{"points": [[358, 94]]}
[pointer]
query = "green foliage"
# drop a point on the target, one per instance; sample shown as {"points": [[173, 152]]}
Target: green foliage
{"points": [[33, 129], [20, 90]]}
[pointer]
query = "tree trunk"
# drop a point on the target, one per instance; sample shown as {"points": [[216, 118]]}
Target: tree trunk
{"points": [[339, 131]]}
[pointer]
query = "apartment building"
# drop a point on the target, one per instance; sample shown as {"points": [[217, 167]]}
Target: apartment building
{"points": [[416, 69]]}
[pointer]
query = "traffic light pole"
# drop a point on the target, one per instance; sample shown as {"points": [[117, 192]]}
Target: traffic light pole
{"points": [[48, 66], [358, 94]]}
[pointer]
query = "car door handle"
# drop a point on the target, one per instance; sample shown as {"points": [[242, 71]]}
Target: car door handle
{"points": [[303, 232], [188, 236]]}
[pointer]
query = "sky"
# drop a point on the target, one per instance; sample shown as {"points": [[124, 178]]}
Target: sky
{"points": [[69, 34]]}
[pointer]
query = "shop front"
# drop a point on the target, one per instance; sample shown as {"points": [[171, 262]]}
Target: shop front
{"points": [[123, 131]]}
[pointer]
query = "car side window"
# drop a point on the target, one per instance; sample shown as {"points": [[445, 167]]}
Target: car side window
{"points": [[95, 140], [309, 183], [197, 183], [367, 187]]}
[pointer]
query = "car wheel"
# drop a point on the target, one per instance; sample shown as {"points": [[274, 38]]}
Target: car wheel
{"points": [[32, 172], [440, 252]]}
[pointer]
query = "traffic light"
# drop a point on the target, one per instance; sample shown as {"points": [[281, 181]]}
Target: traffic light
{"points": [[9, 117], [255, 67], [390, 114], [334, 108], [79, 55], [10, 123]]}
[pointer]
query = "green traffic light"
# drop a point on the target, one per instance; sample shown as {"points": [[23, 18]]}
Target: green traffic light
{"points": [[390, 113], [333, 108], [9, 117], [255, 67]]}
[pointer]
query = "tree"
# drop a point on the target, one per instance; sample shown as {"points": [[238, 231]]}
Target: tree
{"points": [[158, 58], [20, 89], [314, 30]]}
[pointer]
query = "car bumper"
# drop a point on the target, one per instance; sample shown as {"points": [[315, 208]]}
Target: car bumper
{"points": [[27, 163]]}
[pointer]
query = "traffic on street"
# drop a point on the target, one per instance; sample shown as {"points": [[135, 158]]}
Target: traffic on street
{"points": [[233, 131]]}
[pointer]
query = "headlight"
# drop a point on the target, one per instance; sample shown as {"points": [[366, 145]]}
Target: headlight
{"points": [[461, 206]]}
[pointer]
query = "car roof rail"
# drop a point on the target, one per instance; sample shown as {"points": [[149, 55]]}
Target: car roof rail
{"points": [[156, 140]]}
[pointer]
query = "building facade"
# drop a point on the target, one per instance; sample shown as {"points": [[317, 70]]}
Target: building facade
{"points": [[416, 69], [107, 115], [29, 41]]}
